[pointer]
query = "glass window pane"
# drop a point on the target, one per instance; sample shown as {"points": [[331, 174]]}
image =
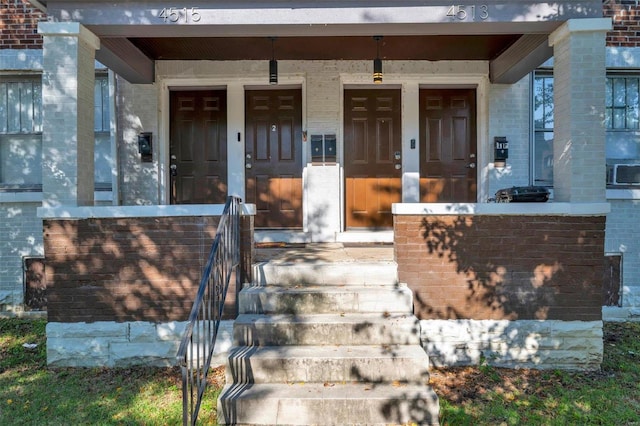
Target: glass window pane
{"points": [[105, 105], [619, 92], [13, 110], [538, 104], [608, 123], [543, 158], [619, 115], [21, 159], [608, 97], [632, 103], [548, 103], [4, 114]]}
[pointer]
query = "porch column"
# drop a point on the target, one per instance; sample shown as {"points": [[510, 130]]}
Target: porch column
{"points": [[68, 114], [579, 172]]}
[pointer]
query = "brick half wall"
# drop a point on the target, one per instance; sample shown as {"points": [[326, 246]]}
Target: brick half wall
{"points": [[130, 269], [500, 267]]}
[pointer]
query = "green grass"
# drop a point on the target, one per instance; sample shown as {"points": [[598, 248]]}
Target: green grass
{"points": [[32, 394], [494, 396]]}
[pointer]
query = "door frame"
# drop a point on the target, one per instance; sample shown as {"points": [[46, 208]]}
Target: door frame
{"points": [[235, 88], [410, 85]]}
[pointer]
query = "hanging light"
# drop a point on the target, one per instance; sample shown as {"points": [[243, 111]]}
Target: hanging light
{"points": [[377, 62], [273, 65]]}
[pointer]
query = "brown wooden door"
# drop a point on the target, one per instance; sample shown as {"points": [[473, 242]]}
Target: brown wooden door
{"points": [[372, 156], [198, 147], [273, 157], [448, 157]]}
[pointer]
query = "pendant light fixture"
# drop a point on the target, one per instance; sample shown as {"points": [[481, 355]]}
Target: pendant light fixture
{"points": [[273, 64], [377, 62]]}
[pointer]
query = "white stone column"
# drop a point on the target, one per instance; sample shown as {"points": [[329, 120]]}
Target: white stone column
{"points": [[579, 171], [68, 114]]}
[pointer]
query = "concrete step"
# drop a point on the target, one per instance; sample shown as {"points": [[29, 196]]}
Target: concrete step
{"points": [[315, 273], [320, 364], [328, 404], [325, 299], [326, 329]]}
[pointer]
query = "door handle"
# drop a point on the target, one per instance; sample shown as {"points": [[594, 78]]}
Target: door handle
{"points": [[174, 170], [248, 166], [471, 165]]}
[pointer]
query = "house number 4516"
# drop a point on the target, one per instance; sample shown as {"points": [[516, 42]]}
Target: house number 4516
{"points": [[180, 14], [468, 13]]}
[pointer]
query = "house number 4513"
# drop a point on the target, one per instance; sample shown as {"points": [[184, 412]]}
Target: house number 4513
{"points": [[468, 12], [180, 14]]}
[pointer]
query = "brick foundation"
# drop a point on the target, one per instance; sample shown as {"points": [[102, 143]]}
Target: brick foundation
{"points": [[134, 269], [502, 267]]}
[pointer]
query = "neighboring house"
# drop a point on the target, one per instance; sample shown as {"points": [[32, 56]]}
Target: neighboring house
{"points": [[284, 95]]}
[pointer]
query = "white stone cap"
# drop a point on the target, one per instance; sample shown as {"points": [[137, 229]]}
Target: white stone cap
{"points": [[87, 212], [580, 25], [74, 29], [502, 209]]}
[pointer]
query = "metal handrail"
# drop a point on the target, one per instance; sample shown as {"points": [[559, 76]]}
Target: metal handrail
{"points": [[197, 346]]}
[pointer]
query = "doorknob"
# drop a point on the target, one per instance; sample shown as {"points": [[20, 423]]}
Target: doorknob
{"points": [[174, 170], [248, 165], [471, 165]]}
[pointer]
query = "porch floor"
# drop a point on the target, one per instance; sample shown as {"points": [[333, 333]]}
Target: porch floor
{"points": [[323, 252]]}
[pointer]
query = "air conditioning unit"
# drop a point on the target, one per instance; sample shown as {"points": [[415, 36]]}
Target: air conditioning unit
{"points": [[626, 174]]}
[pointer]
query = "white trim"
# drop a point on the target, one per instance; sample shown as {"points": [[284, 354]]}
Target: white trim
{"points": [[36, 197], [623, 194], [580, 25], [137, 211], [69, 29], [512, 209]]}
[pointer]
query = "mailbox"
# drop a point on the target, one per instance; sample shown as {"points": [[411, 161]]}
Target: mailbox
{"points": [[323, 148], [501, 151], [317, 150], [145, 147], [330, 148]]}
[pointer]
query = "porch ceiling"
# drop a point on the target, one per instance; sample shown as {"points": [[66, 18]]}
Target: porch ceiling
{"points": [[512, 35], [431, 48]]}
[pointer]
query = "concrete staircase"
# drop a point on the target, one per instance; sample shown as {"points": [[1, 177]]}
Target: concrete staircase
{"points": [[327, 343]]}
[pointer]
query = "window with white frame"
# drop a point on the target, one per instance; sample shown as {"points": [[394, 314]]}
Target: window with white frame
{"points": [[622, 125], [543, 128], [21, 133]]}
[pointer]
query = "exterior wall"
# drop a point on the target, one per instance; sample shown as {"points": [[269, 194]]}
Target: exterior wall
{"points": [[19, 25], [123, 270], [20, 236], [121, 289], [625, 15], [623, 237], [117, 344], [137, 112], [509, 115], [530, 296]]}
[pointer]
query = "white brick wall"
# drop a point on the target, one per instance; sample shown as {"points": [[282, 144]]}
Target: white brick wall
{"points": [[509, 116], [622, 235], [20, 236], [137, 110]]}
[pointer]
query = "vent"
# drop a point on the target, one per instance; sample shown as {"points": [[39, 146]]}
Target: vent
{"points": [[626, 174]]}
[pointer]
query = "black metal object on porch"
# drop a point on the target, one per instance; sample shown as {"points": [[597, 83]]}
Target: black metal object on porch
{"points": [[198, 342], [523, 194]]}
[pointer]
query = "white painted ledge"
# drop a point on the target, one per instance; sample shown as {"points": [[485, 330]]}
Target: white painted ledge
{"points": [[106, 212], [623, 194], [502, 209], [36, 196]]}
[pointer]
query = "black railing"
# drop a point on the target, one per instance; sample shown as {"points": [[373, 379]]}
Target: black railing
{"points": [[196, 349]]}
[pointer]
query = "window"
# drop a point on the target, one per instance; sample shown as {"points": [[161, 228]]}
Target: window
{"points": [[543, 128], [621, 102], [622, 124], [21, 133]]}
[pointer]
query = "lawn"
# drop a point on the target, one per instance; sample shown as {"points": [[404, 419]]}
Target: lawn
{"points": [[32, 394]]}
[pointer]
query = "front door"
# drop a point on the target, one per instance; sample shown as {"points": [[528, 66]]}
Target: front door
{"points": [[198, 147], [372, 156], [448, 146], [273, 157]]}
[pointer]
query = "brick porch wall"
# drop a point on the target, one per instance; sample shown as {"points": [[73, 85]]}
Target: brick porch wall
{"points": [[134, 269], [502, 267]]}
